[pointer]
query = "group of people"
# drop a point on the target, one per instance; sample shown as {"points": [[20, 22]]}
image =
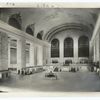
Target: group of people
{"points": [[59, 69]]}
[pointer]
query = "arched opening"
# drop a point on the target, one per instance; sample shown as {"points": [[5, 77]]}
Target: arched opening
{"points": [[39, 36], [13, 22], [83, 46], [29, 30], [68, 47], [55, 48]]}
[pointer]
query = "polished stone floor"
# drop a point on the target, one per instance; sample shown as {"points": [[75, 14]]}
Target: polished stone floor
{"points": [[66, 82]]}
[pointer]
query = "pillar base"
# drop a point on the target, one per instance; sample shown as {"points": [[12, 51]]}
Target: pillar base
{"points": [[4, 74]]}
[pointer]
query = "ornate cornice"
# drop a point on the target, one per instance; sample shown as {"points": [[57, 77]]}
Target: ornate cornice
{"points": [[67, 26]]}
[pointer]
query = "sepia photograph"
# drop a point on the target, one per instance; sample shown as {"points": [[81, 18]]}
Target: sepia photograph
{"points": [[52, 49]]}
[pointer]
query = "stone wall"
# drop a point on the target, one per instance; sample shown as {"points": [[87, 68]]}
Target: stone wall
{"points": [[3, 51], [74, 34]]}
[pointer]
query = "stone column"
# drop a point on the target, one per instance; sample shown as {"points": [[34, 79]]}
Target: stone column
{"points": [[40, 56], [44, 55], [94, 52], [61, 52], [3, 51], [9, 39], [35, 55], [99, 51], [75, 49], [48, 54], [97, 47], [31, 54], [21, 54], [90, 51]]}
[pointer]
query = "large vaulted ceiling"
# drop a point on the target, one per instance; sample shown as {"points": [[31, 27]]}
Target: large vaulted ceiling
{"points": [[46, 19]]}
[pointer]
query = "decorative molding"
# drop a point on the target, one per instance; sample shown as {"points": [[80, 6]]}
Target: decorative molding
{"points": [[67, 26], [11, 31]]}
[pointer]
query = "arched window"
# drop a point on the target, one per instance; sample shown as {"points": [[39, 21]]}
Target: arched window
{"points": [[68, 47], [55, 48], [83, 46], [40, 34], [29, 30], [15, 20]]}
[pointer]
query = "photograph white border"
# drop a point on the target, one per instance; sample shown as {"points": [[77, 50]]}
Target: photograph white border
{"points": [[45, 4]]}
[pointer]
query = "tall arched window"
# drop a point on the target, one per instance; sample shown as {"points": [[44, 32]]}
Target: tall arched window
{"points": [[55, 48], [83, 46], [68, 47]]}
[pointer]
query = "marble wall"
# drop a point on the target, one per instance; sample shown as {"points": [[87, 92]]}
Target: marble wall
{"points": [[3, 51], [95, 42], [37, 49]]}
